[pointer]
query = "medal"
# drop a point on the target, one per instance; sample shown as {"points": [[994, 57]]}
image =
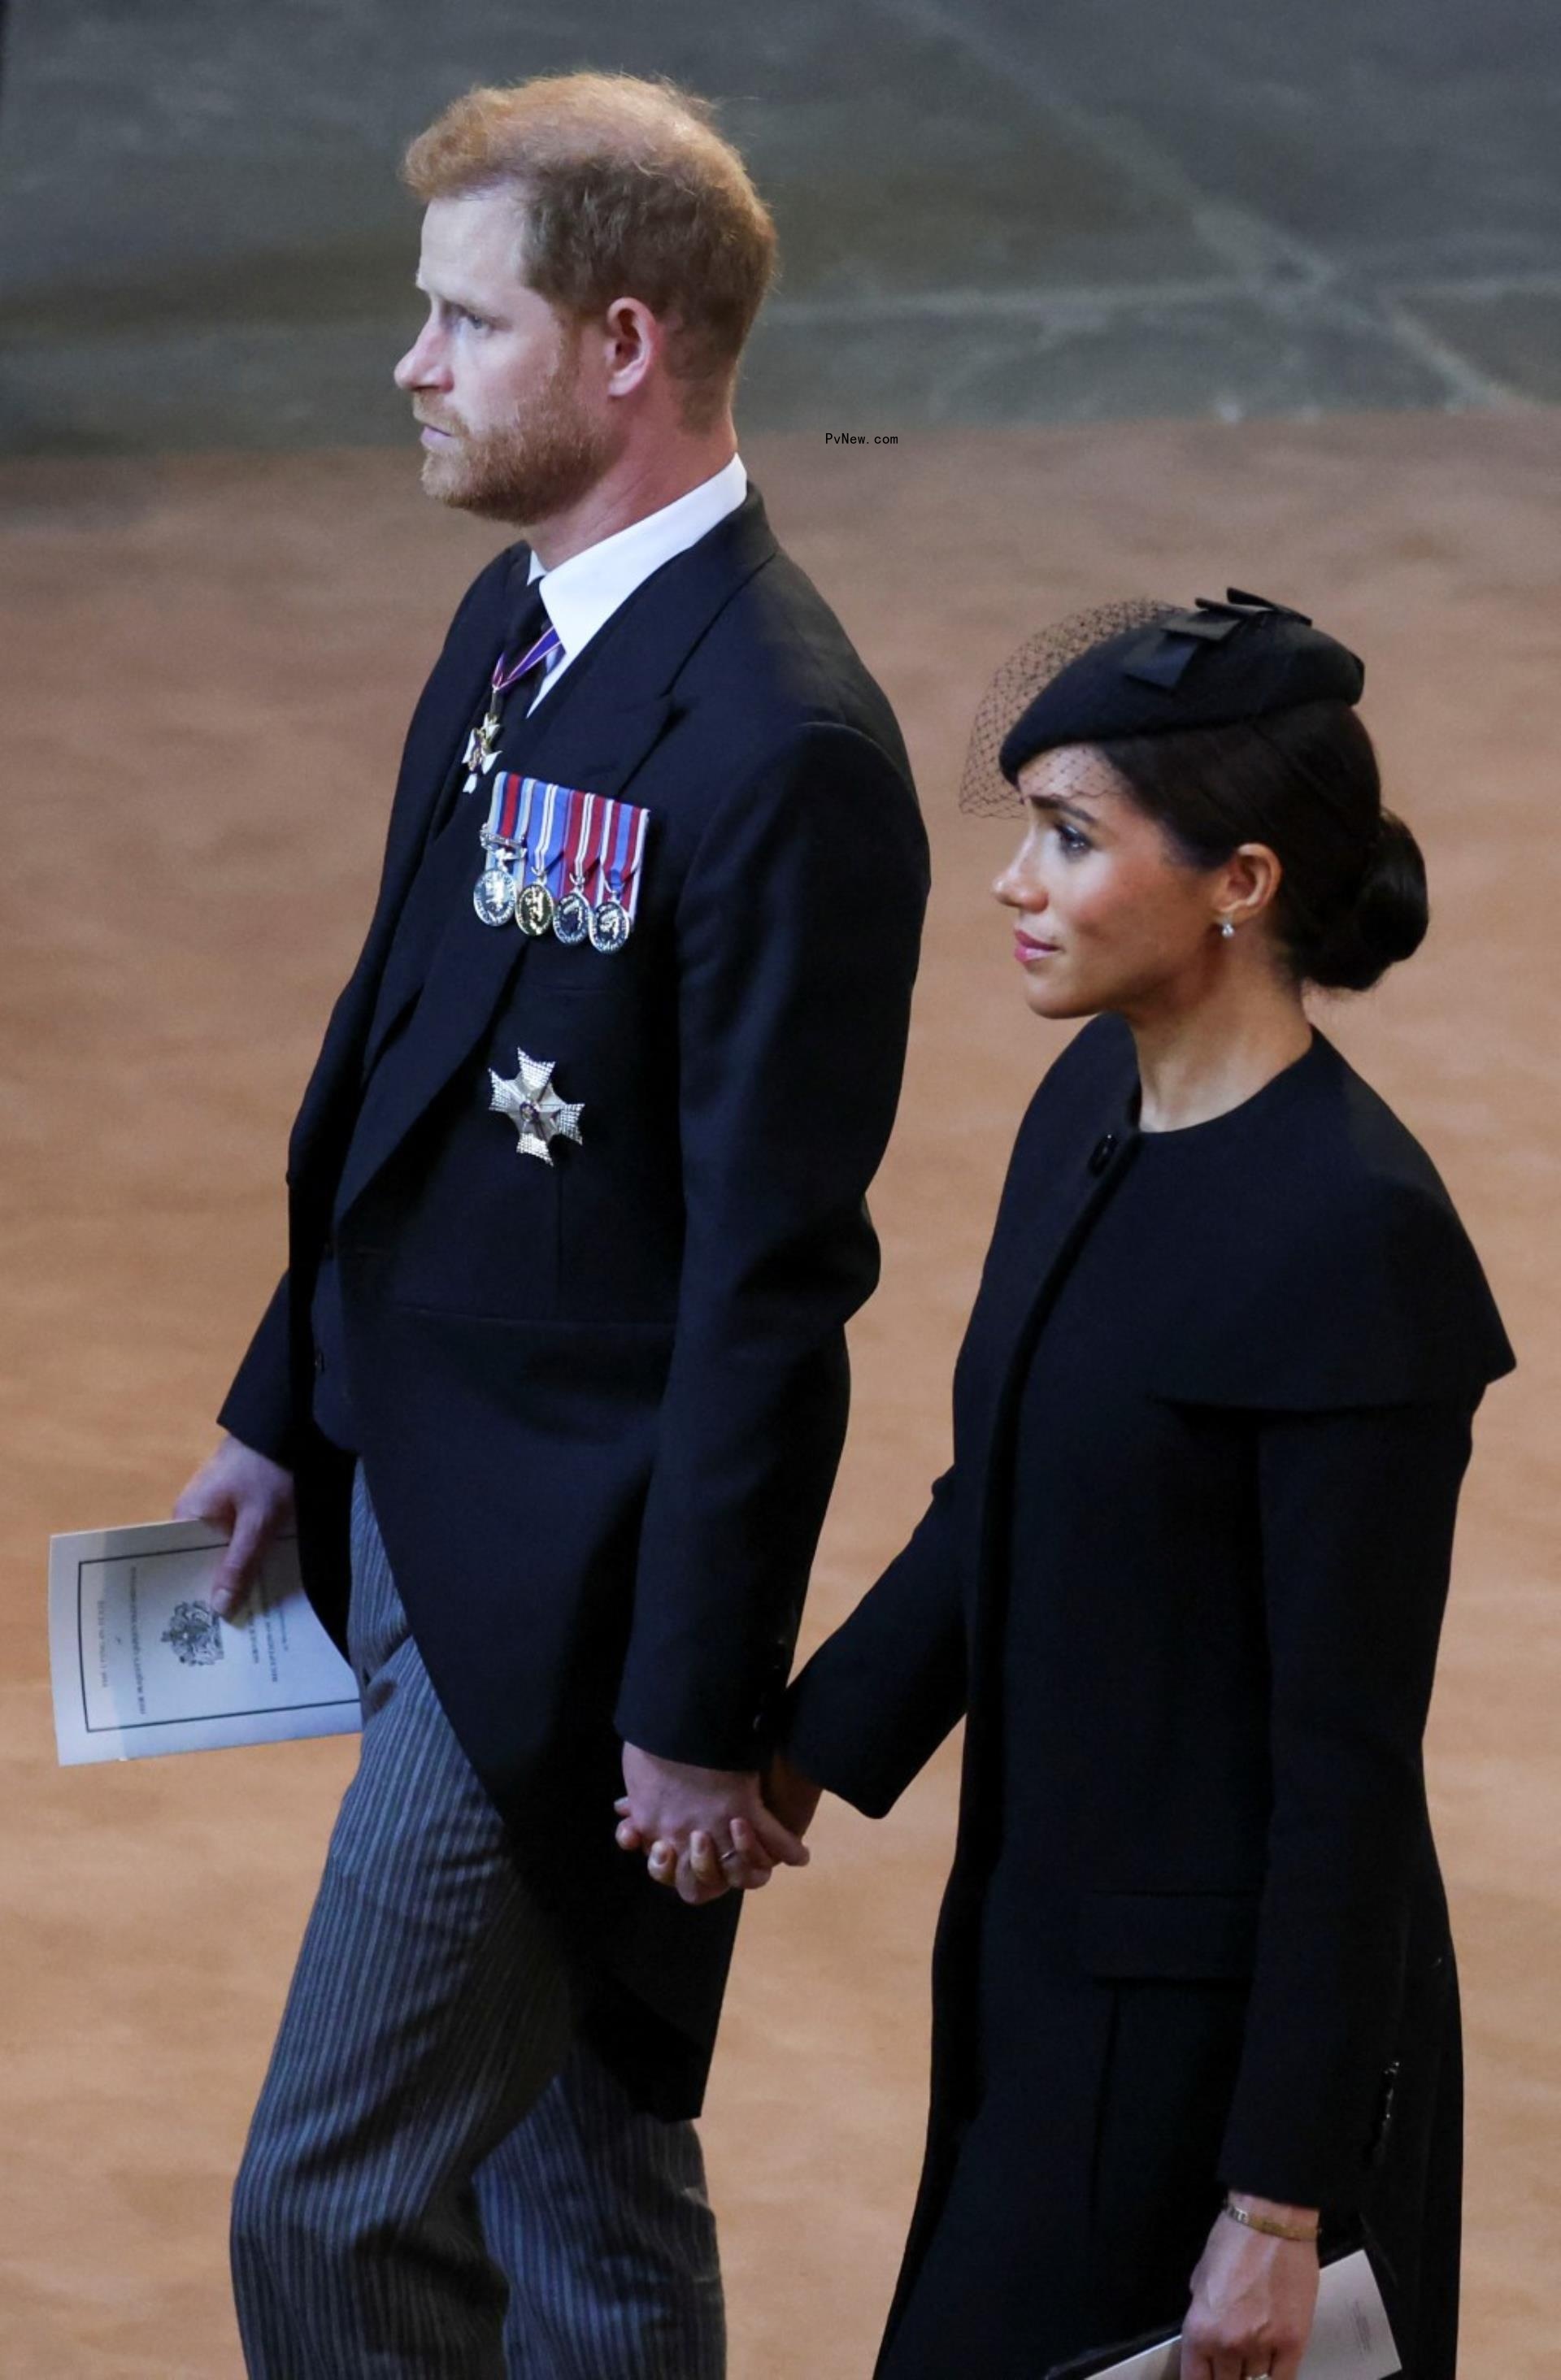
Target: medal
{"points": [[533, 908], [571, 918], [623, 837], [494, 895], [534, 1108], [482, 746], [611, 925], [533, 902]]}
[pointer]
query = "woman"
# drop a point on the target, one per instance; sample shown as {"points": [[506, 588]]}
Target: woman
{"points": [[1193, 1988]]}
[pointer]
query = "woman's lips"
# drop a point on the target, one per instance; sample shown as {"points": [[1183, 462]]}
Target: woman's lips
{"points": [[1025, 949]]}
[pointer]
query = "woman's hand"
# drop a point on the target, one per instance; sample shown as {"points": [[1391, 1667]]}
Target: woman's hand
{"points": [[702, 1873], [793, 1797], [1254, 2299]]}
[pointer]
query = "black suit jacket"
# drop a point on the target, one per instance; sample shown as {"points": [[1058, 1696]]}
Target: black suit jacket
{"points": [[600, 1404], [1231, 1611]]}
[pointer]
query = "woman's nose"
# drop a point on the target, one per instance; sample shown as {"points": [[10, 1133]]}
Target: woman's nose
{"points": [[1016, 889]]}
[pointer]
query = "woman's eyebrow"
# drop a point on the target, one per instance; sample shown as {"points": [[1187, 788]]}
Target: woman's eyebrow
{"points": [[1056, 802]]}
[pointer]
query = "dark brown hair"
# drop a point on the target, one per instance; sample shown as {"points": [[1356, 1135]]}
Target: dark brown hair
{"points": [[1352, 895], [626, 189]]}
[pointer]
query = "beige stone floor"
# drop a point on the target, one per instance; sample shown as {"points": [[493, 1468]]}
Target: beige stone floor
{"points": [[208, 665]]}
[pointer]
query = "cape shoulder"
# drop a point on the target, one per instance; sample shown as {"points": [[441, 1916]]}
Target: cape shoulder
{"points": [[1322, 1266], [1338, 1275]]}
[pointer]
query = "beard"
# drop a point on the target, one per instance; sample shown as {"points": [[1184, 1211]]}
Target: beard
{"points": [[544, 459]]}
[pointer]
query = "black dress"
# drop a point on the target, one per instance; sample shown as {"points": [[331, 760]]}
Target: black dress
{"points": [[1187, 1574]]}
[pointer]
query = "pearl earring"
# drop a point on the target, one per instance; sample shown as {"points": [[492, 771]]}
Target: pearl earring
{"points": [[1228, 932]]}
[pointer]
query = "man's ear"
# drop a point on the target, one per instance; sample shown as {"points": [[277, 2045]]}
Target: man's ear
{"points": [[633, 343]]}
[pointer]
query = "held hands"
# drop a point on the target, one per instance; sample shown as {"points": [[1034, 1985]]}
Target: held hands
{"points": [[250, 1499], [706, 1831], [1254, 2299]]}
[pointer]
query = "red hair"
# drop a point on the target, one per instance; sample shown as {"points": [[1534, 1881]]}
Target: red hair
{"points": [[626, 190]]}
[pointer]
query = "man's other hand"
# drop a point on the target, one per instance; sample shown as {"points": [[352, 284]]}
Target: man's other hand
{"points": [[250, 1499], [706, 1830]]}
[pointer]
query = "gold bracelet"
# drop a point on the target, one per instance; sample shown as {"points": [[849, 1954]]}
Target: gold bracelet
{"points": [[1266, 2224]]}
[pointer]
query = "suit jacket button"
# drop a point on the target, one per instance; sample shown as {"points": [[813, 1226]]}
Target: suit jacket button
{"points": [[1102, 1153], [319, 1362]]}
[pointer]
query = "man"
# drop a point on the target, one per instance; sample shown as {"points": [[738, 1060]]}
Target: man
{"points": [[557, 1371]]}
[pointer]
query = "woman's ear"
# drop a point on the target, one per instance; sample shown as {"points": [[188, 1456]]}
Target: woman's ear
{"points": [[1248, 882]]}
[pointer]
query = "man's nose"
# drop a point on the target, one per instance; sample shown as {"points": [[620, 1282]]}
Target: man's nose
{"points": [[423, 365]]}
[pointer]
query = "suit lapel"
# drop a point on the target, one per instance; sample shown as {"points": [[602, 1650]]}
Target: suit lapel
{"points": [[437, 735], [594, 733]]}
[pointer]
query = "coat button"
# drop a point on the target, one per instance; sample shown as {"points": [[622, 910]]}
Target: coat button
{"points": [[1102, 1153], [319, 1361]]}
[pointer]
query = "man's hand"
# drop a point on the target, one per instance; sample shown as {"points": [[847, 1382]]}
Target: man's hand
{"points": [[250, 1500], [707, 1829], [1254, 2300]]}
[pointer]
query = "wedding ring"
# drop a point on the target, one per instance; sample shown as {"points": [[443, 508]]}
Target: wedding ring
{"points": [[731, 1852]]}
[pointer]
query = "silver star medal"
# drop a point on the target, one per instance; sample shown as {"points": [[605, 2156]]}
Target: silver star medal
{"points": [[534, 1108], [482, 747]]}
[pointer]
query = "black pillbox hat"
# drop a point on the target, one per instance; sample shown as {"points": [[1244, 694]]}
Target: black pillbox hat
{"points": [[1213, 666]]}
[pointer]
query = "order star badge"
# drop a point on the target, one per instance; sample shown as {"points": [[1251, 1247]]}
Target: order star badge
{"points": [[534, 1108]]}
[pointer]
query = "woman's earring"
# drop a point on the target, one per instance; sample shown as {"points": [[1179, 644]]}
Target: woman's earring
{"points": [[1228, 932]]}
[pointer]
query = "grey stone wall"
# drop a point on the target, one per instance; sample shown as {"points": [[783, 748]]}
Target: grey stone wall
{"points": [[992, 210]]}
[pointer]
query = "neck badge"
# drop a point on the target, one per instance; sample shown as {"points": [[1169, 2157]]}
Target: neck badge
{"points": [[483, 744], [534, 1108]]}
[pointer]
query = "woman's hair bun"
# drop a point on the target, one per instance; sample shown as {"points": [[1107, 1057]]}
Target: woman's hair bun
{"points": [[1385, 922]]}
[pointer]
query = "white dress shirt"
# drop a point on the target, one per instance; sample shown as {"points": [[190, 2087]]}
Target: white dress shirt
{"points": [[581, 595]]}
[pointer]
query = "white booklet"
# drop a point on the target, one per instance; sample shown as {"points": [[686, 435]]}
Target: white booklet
{"points": [[142, 1664], [1350, 2338]]}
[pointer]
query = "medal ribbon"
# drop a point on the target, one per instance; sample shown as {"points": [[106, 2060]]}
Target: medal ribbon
{"points": [[623, 837], [506, 820], [543, 855], [577, 839], [508, 674], [629, 896]]}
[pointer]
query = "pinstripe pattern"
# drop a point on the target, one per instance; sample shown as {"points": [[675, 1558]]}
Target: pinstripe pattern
{"points": [[428, 2025], [590, 2185]]}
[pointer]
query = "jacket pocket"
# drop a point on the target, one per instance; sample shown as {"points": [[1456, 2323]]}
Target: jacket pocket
{"points": [[1176, 1936]]}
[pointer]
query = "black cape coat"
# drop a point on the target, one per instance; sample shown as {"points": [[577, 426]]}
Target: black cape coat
{"points": [[1186, 1577], [599, 1403]]}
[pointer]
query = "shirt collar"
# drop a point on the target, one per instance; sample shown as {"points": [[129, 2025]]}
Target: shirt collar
{"points": [[581, 595]]}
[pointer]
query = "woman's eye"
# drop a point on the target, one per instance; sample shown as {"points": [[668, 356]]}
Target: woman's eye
{"points": [[1072, 842]]}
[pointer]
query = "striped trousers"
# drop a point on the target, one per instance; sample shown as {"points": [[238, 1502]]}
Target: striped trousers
{"points": [[439, 2180]]}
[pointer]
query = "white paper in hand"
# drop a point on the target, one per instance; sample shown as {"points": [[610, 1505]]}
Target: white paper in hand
{"points": [[141, 1663], [1350, 2338]]}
